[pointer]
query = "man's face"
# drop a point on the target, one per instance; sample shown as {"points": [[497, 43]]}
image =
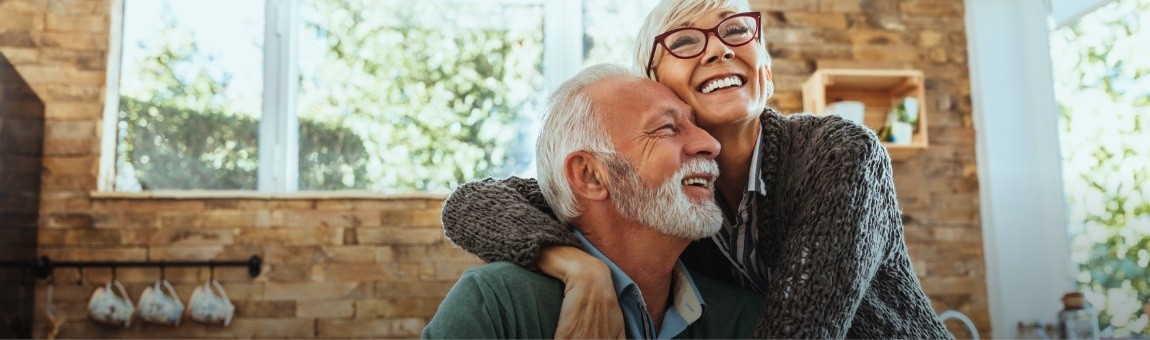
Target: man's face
{"points": [[664, 172]]}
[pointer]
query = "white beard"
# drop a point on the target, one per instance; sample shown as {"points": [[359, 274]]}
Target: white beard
{"points": [[666, 208]]}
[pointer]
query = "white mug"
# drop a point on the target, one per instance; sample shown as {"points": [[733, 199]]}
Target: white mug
{"points": [[851, 110], [207, 307], [107, 307], [160, 308]]}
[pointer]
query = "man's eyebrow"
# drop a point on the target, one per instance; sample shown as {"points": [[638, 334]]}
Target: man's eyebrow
{"points": [[673, 112], [664, 112]]}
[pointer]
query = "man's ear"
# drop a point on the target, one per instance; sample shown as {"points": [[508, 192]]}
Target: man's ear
{"points": [[586, 175]]}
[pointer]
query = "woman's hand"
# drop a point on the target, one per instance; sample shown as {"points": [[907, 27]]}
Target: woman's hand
{"points": [[590, 306]]}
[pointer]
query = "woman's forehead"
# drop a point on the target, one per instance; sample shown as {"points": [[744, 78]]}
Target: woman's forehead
{"points": [[717, 13]]}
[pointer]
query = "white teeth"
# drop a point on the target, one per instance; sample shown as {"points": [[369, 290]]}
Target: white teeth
{"points": [[697, 182], [722, 83]]}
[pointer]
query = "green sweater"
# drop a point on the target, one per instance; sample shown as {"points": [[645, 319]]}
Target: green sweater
{"points": [[503, 301]]}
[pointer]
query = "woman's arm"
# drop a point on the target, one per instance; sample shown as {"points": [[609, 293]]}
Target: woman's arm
{"points": [[503, 220], [509, 220], [842, 213]]}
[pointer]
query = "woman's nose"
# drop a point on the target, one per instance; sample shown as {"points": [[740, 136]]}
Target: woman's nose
{"points": [[716, 50]]}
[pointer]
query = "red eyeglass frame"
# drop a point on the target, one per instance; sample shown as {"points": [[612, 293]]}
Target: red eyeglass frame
{"points": [[659, 40]]}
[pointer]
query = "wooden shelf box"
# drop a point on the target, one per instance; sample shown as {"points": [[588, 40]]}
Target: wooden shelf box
{"points": [[879, 90]]}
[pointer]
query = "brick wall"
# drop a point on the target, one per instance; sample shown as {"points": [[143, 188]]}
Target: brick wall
{"points": [[938, 188], [338, 267], [332, 267]]}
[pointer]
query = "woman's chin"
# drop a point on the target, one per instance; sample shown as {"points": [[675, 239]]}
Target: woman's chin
{"points": [[726, 113]]}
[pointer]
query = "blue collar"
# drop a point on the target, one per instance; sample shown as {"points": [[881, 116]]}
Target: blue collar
{"points": [[687, 304]]}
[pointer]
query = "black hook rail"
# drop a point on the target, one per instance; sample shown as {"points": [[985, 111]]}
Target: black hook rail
{"points": [[44, 267]]}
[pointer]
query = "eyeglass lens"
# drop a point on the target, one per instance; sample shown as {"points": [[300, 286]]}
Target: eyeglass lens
{"points": [[690, 42]]}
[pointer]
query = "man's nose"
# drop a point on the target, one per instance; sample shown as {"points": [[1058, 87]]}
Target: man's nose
{"points": [[700, 143]]}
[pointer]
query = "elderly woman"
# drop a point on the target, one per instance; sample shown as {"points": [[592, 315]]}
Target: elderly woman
{"points": [[811, 218]]}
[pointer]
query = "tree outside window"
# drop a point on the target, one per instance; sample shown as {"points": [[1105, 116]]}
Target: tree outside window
{"points": [[393, 96], [1102, 84]]}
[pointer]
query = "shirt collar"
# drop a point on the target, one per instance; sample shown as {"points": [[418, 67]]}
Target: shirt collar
{"points": [[755, 182], [686, 300]]}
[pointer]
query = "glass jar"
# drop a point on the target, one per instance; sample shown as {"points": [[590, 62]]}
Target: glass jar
{"points": [[1077, 320]]}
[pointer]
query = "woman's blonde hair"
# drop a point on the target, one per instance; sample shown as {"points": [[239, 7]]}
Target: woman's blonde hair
{"points": [[670, 14]]}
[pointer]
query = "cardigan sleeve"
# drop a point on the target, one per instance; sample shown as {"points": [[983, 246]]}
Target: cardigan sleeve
{"points": [[503, 220], [841, 216]]}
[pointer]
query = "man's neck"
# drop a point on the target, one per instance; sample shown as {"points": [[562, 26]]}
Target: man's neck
{"points": [[646, 255]]}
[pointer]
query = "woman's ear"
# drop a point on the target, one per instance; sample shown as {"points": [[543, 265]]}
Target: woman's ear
{"points": [[586, 175]]}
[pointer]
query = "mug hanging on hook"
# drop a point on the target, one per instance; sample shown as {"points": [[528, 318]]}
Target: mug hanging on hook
{"points": [[160, 304], [110, 304]]}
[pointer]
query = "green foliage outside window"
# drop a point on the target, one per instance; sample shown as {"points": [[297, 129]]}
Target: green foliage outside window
{"points": [[1102, 84], [438, 90], [408, 96]]}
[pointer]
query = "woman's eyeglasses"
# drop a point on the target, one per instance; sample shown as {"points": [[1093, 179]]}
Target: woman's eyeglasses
{"points": [[689, 42]]}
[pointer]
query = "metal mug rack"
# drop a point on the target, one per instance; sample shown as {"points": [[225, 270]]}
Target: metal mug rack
{"points": [[44, 267]]}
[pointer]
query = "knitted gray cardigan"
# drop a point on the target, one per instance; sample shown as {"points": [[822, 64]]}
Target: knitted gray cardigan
{"points": [[830, 229]]}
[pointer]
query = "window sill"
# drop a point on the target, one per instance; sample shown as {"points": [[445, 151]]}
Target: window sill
{"points": [[247, 194]]}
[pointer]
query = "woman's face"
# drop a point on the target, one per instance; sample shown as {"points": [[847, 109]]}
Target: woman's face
{"points": [[694, 80]]}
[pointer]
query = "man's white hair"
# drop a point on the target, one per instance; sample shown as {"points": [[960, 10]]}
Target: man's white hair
{"points": [[671, 14], [571, 123]]}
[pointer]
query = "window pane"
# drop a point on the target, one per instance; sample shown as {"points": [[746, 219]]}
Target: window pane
{"points": [[400, 96], [1102, 84], [190, 87], [610, 28]]}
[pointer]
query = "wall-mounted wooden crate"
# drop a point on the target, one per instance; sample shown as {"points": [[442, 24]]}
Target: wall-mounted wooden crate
{"points": [[879, 90]]}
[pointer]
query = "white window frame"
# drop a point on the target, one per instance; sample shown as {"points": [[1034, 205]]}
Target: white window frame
{"points": [[278, 170], [107, 171], [1024, 222]]}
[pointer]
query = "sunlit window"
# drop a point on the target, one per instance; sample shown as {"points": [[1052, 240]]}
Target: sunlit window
{"points": [[384, 95], [1102, 84], [610, 28], [402, 95], [190, 94]]}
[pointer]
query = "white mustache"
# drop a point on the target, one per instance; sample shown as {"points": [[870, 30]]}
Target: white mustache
{"points": [[697, 166]]}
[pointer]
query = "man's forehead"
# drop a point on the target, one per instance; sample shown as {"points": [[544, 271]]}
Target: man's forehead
{"points": [[633, 90]]}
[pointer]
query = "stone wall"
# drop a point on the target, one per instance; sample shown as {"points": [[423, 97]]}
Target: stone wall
{"points": [[333, 267], [377, 267]]}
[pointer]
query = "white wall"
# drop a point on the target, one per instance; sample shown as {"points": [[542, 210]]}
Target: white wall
{"points": [[1019, 163]]}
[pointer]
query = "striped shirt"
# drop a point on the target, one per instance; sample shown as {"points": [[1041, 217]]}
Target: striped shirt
{"points": [[738, 239]]}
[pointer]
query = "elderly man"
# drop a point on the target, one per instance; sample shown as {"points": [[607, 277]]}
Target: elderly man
{"points": [[621, 160]]}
